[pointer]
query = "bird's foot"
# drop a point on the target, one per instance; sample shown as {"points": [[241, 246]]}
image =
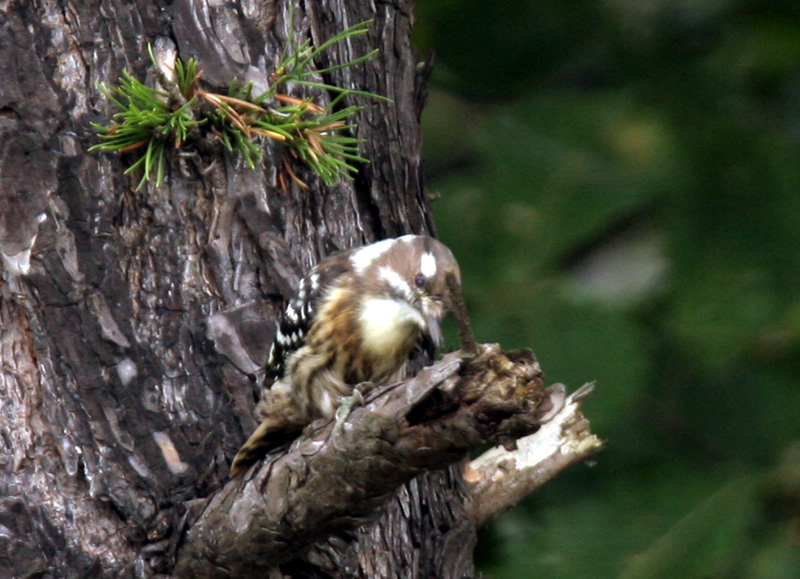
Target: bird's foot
{"points": [[346, 406]]}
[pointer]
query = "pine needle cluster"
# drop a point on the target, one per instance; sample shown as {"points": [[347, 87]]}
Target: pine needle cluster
{"points": [[151, 119]]}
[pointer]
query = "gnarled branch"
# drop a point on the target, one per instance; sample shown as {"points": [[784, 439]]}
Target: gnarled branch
{"points": [[336, 477]]}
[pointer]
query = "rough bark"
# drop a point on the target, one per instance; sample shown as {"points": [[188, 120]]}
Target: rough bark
{"points": [[129, 350], [336, 477], [130, 344]]}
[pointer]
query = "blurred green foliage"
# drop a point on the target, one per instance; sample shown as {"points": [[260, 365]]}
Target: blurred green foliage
{"points": [[621, 183]]}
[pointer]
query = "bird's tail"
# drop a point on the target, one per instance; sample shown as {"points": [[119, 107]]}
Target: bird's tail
{"points": [[268, 436]]}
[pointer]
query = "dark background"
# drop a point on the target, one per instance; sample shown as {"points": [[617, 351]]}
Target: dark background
{"points": [[620, 181]]}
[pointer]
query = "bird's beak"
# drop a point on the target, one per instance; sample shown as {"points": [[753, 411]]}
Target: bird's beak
{"points": [[434, 330]]}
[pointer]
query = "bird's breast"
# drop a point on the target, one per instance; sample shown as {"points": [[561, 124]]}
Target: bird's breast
{"points": [[389, 327]]}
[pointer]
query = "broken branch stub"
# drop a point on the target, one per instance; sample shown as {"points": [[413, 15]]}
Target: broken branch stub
{"points": [[501, 477]]}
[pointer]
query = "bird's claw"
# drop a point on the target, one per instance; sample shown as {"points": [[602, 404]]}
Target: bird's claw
{"points": [[346, 406]]}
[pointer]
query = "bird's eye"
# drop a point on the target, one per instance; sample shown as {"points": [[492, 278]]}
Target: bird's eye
{"points": [[419, 281]]}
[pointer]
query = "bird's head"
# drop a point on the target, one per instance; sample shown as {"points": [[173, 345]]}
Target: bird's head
{"points": [[410, 274]]}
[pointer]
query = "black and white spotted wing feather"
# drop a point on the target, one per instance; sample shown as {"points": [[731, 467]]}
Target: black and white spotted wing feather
{"points": [[296, 319]]}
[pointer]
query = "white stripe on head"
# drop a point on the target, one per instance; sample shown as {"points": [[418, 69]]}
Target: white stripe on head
{"points": [[396, 281], [427, 265], [364, 257]]}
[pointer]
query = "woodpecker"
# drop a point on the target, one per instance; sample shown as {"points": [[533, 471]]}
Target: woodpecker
{"points": [[357, 317]]}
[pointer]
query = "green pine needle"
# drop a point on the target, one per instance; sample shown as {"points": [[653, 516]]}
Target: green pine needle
{"points": [[150, 120]]}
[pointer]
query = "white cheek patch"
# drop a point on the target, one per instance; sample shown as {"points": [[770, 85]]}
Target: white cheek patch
{"points": [[363, 258], [386, 324], [427, 265], [397, 282]]}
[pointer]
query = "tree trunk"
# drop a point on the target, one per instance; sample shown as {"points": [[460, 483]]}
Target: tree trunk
{"points": [[134, 325], [130, 346]]}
